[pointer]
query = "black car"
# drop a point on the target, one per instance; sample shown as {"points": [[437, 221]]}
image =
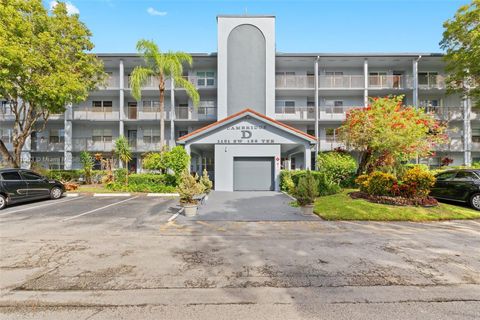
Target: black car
{"points": [[458, 185], [19, 185]]}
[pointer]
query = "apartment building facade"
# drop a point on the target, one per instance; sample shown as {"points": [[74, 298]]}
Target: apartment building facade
{"points": [[260, 110]]}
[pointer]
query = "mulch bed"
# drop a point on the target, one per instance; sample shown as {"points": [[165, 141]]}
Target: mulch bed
{"points": [[396, 201]]}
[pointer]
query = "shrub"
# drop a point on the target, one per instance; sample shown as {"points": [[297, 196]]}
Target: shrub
{"points": [[87, 164], [152, 178], [340, 166], [120, 176], [286, 182], [307, 190], [377, 183], [416, 182], [188, 188], [206, 182], [326, 186], [142, 187], [175, 159], [64, 175], [290, 179]]}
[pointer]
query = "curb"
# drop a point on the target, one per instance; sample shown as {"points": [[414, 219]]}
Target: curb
{"points": [[111, 194], [175, 215], [163, 195], [71, 195], [291, 197]]}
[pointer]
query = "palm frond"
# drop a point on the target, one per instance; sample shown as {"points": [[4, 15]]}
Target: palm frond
{"points": [[138, 79], [150, 52], [192, 91]]}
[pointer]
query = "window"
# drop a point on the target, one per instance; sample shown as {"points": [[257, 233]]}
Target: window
{"points": [[311, 132], [285, 106], [465, 176], [377, 79], [331, 133], [27, 175], [446, 175], [205, 78], [11, 176], [182, 133], [476, 135], [102, 135], [427, 78], [207, 107], [151, 136], [334, 106], [6, 135], [57, 136], [151, 106], [100, 105]]}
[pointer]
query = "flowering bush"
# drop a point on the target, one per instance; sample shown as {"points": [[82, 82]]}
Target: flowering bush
{"points": [[416, 182], [446, 161], [377, 183]]}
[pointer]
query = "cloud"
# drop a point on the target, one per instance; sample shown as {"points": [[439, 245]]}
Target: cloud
{"points": [[71, 9], [151, 11]]}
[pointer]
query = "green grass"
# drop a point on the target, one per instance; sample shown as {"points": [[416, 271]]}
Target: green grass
{"points": [[342, 207]]}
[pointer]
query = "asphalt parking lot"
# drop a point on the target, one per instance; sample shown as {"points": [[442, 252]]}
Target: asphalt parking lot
{"points": [[120, 257]]}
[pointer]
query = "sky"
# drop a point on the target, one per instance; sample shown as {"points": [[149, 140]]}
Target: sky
{"points": [[301, 26]]}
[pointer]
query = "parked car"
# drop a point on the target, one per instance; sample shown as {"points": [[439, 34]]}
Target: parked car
{"points": [[461, 185], [19, 185]]}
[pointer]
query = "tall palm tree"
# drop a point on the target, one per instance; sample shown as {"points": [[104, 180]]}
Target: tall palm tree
{"points": [[162, 66]]}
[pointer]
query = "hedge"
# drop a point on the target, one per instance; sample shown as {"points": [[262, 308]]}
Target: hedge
{"points": [[325, 184]]}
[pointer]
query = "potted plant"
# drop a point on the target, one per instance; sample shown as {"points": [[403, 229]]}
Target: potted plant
{"points": [[188, 188], [206, 183], [306, 192]]}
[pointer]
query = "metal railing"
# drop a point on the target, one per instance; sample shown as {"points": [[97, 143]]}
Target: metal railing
{"points": [[96, 113], [88, 144], [390, 82], [455, 144], [202, 113], [432, 82], [294, 82], [294, 113], [335, 112], [445, 113], [341, 82], [152, 83], [47, 146]]}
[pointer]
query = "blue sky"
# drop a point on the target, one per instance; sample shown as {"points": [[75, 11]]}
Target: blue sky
{"points": [[301, 26]]}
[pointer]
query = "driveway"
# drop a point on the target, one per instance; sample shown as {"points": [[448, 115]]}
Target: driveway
{"points": [[249, 206]]}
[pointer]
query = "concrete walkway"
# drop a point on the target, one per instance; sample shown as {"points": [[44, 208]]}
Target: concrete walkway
{"points": [[249, 206]]}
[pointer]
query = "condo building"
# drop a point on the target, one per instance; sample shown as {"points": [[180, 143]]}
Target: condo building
{"points": [[260, 111]]}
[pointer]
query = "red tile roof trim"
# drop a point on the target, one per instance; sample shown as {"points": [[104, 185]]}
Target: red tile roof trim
{"points": [[246, 111]]}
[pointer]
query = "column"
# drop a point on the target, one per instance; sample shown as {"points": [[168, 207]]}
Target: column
{"points": [[415, 82], [365, 85], [308, 157], [68, 137], [25, 155], [172, 113], [121, 74], [188, 150], [467, 128], [317, 111]]}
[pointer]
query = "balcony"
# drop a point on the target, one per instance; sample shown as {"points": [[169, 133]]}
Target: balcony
{"points": [[88, 144], [342, 82], [202, 82], [152, 83], [294, 82], [96, 113], [329, 143], [294, 113], [338, 113], [111, 83], [431, 82], [140, 145], [455, 144], [396, 82], [47, 146], [6, 115], [445, 113]]}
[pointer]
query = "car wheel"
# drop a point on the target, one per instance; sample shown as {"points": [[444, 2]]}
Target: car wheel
{"points": [[56, 193], [3, 202], [475, 201]]}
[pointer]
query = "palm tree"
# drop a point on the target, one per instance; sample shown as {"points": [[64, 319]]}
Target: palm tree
{"points": [[122, 150], [162, 66]]}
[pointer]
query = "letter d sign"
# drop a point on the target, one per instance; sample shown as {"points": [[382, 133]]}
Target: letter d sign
{"points": [[246, 134]]}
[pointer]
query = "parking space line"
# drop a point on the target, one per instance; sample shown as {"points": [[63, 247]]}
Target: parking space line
{"points": [[40, 206], [98, 209]]}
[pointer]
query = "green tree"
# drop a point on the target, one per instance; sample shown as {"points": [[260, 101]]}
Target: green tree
{"points": [[161, 66], [386, 133], [176, 159], [87, 165], [339, 166], [124, 153], [461, 40], [44, 66]]}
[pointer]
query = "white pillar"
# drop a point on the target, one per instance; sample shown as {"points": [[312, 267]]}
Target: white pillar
{"points": [[308, 157], [172, 113], [365, 85], [467, 128], [68, 132], [121, 74], [317, 111], [415, 82], [188, 150]]}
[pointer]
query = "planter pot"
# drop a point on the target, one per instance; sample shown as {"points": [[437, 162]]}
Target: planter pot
{"points": [[307, 210], [190, 210]]}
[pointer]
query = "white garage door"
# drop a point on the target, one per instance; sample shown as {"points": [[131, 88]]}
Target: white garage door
{"points": [[253, 173]]}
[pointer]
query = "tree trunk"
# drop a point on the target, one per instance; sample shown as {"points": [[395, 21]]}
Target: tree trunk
{"points": [[364, 160], [162, 114], [7, 156]]}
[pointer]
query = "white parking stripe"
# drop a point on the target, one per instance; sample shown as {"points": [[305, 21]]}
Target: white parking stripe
{"points": [[98, 209], [39, 206]]}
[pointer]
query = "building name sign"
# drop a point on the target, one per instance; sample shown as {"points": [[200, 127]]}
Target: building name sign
{"points": [[247, 134]]}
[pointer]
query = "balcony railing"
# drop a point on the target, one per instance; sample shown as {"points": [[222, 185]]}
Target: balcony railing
{"points": [[335, 112], [329, 143], [432, 82], [47, 146], [95, 113], [152, 83], [294, 82], [142, 146], [294, 113], [445, 113], [202, 113], [88, 144], [390, 82], [342, 82], [112, 82], [455, 144], [202, 82]]}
